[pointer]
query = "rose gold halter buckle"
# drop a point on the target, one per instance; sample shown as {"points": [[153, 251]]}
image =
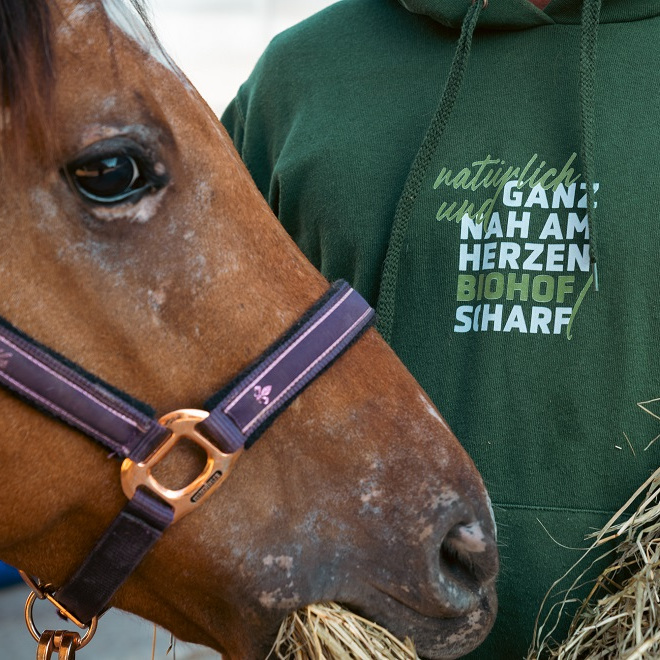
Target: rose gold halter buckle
{"points": [[182, 424]]}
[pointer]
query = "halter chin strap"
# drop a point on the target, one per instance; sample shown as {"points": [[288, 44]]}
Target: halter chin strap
{"points": [[237, 416]]}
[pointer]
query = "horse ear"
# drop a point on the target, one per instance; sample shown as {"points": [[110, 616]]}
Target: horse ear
{"points": [[26, 79]]}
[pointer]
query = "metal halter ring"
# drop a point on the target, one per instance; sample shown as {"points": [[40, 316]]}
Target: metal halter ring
{"points": [[29, 621]]}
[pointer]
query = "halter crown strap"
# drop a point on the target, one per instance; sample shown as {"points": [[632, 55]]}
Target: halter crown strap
{"points": [[238, 415]]}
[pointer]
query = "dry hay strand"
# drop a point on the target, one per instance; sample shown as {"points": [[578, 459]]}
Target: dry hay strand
{"points": [[327, 630], [620, 619]]}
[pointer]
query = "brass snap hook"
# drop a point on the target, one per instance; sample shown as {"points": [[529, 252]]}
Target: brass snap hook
{"points": [[45, 647], [62, 641]]}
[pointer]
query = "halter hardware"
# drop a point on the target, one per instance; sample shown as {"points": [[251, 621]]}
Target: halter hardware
{"points": [[63, 642], [29, 617], [182, 425]]}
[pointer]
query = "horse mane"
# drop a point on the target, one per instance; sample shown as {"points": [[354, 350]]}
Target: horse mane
{"points": [[27, 69]]}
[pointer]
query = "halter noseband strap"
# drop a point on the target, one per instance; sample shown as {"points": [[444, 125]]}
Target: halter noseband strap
{"points": [[238, 415]]}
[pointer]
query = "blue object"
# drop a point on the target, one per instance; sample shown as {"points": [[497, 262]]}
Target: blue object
{"points": [[8, 575]]}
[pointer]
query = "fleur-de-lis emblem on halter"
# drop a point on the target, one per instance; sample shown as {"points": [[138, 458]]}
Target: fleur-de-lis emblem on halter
{"points": [[261, 394], [4, 359]]}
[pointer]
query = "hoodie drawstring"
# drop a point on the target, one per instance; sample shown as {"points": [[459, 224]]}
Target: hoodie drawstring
{"points": [[412, 187], [588, 38]]}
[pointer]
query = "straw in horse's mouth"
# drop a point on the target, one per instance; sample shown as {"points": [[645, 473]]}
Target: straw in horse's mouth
{"points": [[326, 630]]}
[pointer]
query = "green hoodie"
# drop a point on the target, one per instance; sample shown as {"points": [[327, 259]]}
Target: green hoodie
{"points": [[449, 184]]}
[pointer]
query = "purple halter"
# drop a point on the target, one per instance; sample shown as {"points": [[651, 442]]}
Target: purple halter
{"points": [[237, 416]]}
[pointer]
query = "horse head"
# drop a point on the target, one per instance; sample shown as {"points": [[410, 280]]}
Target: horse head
{"points": [[134, 243]]}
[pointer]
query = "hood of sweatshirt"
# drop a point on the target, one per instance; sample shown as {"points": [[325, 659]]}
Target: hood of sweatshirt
{"points": [[522, 14]]}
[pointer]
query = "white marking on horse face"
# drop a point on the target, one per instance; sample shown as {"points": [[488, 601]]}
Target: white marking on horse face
{"points": [[274, 600], [283, 562], [445, 499], [109, 103], [466, 633], [433, 412], [156, 299], [48, 208], [426, 533], [143, 133], [140, 212], [372, 494]]}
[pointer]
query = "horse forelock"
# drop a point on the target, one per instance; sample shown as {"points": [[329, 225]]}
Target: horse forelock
{"points": [[28, 66], [26, 74]]}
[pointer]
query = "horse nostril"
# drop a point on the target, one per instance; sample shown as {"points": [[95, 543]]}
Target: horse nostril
{"points": [[469, 554]]}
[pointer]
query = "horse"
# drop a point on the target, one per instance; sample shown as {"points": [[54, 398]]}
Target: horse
{"points": [[135, 244]]}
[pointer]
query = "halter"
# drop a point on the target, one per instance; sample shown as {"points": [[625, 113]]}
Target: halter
{"points": [[235, 418]]}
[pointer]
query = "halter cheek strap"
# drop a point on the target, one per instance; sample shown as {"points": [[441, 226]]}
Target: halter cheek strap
{"points": [[56, 386], [237, 416]]}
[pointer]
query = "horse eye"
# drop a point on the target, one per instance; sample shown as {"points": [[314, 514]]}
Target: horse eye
{"points": [[108, 179]]}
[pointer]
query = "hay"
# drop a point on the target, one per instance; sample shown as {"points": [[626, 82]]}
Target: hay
{"points": [[620, 619], [327, 630]]}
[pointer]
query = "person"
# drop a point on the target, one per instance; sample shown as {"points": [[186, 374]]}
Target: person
{"points": [[487, 177]]}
